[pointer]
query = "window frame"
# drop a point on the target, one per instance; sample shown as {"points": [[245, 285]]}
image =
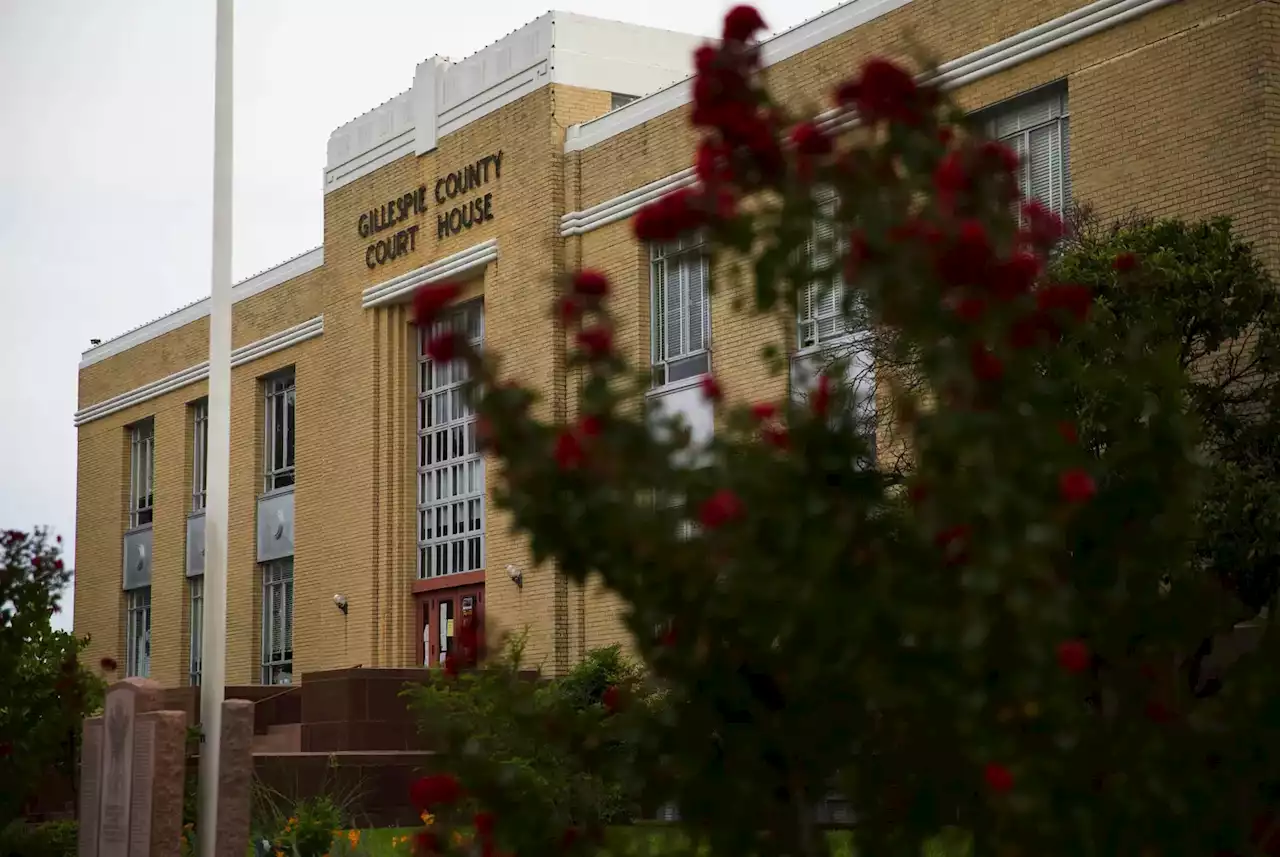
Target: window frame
{"points": [[281, 387], [668, 257], [142, 467], [451, 485], [277, 660], [1054, 100], [195, 644], [137, 662], [813, 293], [199, 455]]}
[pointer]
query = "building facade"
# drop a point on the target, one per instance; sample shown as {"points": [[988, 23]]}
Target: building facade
{"points": [[360, 522]]}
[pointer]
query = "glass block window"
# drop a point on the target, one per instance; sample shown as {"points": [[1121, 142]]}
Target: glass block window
{"points": [[199, 455], [679, 310], [1038, 127], [196, 587], [277, 622], [138, 632], [278, 468], [142, 472], [450, 469]]}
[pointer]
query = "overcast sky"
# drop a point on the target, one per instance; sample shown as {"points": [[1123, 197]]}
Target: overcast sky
{"points": [[106, 118]]}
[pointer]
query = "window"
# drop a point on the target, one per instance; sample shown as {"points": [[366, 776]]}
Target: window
{"points": [[278, 460], [277, 622], [617, 99], [142, 472], [196, 586], [1037, 127], [450, 469], [681, 322], [138, 632], [200, 454], [821, 317]]}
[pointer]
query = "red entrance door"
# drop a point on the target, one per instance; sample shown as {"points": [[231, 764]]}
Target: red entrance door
{"points": [[439, 614]]}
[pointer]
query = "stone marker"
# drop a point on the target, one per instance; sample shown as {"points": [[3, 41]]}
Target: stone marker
{"points": [[235, 776], [132, 771]]}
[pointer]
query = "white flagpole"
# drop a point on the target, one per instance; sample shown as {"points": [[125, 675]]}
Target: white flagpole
{"points": [[214, 651]]}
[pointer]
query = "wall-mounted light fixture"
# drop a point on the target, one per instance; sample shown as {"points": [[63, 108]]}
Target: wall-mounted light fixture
{"points": [[340, 601], [516, 575]]}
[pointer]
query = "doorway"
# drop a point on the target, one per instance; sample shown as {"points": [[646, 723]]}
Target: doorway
{"points": [[439, 611]]}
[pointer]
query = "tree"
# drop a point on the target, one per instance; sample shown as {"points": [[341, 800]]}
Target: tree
{"points": [[1204, 292], [994, 649], [44, 691]]}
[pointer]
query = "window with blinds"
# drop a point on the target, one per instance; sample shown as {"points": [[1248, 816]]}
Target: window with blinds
{"points": [[681, 318], [277, 622], [199, 454], [278, 463], [142, 472], [137, 660], [196, 586], [450, 469], [1037, 126], [821, 316]]}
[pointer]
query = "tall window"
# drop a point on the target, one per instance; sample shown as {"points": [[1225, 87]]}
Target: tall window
{"points": [[1037, 127], [450, 469], [196, 585], [277, 622], [142, 475], [681, 321], [821, 312], [278, 457], [200, 454], [138, 632]]}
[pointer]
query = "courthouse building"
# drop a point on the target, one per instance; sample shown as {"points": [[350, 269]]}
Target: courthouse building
{"points": [[360, 521]]}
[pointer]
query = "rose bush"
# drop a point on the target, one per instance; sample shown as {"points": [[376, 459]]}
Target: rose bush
{"points": [[996, 649]]}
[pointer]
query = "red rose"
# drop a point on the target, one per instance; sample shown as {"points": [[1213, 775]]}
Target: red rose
{"points": [[668, 217], [57, 564], [809, 140], [704, 58], [611, 699], [427, 842], [719, 509], [483, 823], [1073, 656], [985, 365], [451, 665], [591, 283], [596, 342], [435, 790], [428, 300], [1124, 262], [669, 636], [887, 91], [1015, 276], [954, 543], [1076, 486], [950, 179], [568, 452], [712, 162], [998, 778], [108, 664], [569, 838], [945, 135], [917, 493], [764, 411], [6, 749], [822, 396], [568, 309], [1070, 298], [1068, 432], [741, 23], [444, 346], [711, 388], [1043, 228], [590, 425], [970, 308], [776, 436], [1000, 156], [1033, 329], [967, 261]]}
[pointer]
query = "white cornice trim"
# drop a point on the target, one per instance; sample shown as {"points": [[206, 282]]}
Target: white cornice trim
{"points": [[256, 284], [398, 288], [1027, 45], [240, 356], [621, 207], [367, 162]]}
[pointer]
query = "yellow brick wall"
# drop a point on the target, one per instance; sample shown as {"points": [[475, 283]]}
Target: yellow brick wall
{"points": [[1174, 113]]}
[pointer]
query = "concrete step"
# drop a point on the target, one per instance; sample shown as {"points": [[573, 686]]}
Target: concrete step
{"points": [[283, 738]]}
